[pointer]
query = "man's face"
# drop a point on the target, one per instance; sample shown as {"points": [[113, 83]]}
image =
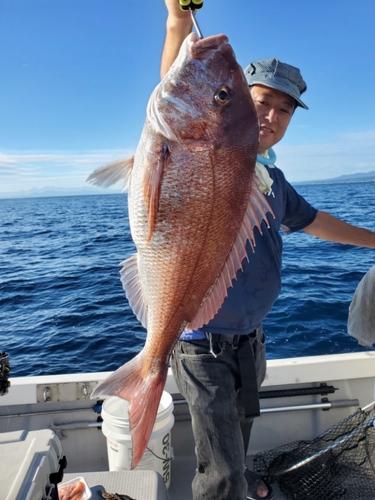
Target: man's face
{"points": [[274, 109]]}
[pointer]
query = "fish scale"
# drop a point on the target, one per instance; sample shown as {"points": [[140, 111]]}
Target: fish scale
{"points": [[194, 202]]}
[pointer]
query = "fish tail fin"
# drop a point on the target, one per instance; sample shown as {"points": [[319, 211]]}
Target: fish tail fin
{"points": [[142, 392]]}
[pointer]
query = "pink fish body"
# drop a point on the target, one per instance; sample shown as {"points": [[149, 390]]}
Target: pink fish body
{"points": [[193, 203]]}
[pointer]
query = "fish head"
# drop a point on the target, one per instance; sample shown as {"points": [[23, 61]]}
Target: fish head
{"points": [[204, 96]]}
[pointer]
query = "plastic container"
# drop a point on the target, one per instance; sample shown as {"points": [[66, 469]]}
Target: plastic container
{"points": [[86, 492], [115, 427]]}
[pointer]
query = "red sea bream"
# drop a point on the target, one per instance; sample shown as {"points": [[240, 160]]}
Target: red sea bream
{"points": [[193, 203]]}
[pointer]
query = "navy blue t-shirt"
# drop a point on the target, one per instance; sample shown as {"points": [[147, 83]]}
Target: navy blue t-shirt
{"points": [[259, 283]]}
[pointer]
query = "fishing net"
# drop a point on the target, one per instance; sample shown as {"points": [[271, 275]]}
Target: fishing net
{"points": [[339, 464]]}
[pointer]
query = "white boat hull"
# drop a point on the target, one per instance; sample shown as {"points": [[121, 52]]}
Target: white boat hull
{"points": [[62, 402]]}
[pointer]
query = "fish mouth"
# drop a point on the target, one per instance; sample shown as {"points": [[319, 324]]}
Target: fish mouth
{"points": [[156, 119], [180, 104], [200, 48]]}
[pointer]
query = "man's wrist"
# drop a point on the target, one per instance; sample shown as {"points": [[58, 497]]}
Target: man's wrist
{"points": [[181, 24]]}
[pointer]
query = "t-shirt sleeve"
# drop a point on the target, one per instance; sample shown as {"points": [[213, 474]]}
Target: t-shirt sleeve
{"points": [[298, 212]]}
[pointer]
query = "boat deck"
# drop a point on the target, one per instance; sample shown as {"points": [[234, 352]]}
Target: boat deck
{"points": [[62, 402], [184, 463], [183, 470]]}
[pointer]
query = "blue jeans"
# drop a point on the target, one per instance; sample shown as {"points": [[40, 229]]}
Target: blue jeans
{"points": [[212, 387]]}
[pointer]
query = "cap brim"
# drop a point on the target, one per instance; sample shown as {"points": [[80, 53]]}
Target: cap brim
{"points": [[278, 87]]}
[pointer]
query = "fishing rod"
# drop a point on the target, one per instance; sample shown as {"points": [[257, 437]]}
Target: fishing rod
{"points": [[193, 5]]}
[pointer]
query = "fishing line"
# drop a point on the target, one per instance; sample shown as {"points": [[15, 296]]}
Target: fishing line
{"points": [[160, 458]]}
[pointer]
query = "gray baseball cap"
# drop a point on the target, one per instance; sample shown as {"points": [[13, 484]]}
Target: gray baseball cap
{"points": [[277, 75]]}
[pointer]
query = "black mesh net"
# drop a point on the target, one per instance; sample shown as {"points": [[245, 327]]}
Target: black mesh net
{"points": [[339, 464]]}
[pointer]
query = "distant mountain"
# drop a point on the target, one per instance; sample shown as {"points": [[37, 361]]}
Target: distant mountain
{"points": [[360, 177], [54, 191]]}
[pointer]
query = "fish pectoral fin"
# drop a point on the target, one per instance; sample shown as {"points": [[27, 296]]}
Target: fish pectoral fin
{"points": [[111, 174], [143, 393], [152, 183], [133, 290], [256, 212]]}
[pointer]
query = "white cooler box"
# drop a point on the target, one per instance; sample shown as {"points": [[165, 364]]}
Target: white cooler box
{"points": [[31, 465]]}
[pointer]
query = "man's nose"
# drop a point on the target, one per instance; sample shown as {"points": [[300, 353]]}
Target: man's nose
{"points": [[272, 115]]}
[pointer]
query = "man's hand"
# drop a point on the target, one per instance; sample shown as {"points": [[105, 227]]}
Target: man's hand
{"points": [[174, 11], [179, 25]]}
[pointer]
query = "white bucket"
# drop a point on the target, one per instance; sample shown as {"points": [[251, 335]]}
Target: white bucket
{"points": [[158, 453]]}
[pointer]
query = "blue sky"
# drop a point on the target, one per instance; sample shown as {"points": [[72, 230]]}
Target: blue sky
{"points": [[76, 75]]}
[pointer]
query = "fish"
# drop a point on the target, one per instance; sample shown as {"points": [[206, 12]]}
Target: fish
{"points": [[74, 491], [194, 201], [115, 496]]}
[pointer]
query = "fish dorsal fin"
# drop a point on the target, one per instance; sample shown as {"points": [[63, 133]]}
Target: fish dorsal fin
{"points": [[111, 174], [152, 184], [132, 286], [256, 211]]}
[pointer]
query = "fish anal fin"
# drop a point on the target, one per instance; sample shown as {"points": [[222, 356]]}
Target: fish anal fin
{"points": [[152, 184], [143, 392], [108, 175], [256, 212], [133, 290]]}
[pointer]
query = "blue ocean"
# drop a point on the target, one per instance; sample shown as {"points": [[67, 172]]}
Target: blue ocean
{"points": [[63, 310]]}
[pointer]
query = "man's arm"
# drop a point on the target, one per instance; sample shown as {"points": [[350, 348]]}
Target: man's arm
{"points": [[328, 227], [179, 25]]}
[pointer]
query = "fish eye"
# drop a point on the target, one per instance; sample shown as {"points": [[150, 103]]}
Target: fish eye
{"points": [[223, 95]]}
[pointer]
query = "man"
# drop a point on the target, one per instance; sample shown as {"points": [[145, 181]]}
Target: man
{"points": [[220, 367]]}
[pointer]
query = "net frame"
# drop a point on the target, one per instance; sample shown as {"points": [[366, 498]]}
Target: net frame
{"points": [[338, 464]]}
